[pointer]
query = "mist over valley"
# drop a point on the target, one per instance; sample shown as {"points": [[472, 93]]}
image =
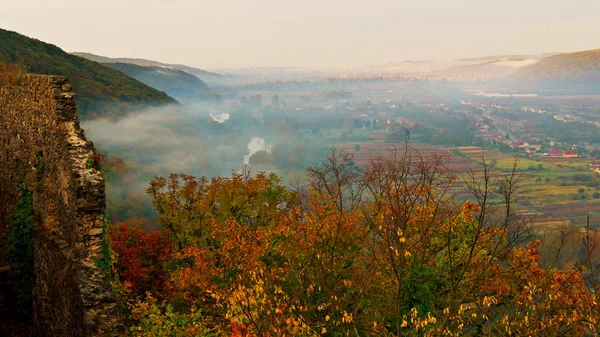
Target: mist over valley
{"points": [[269, 168]]}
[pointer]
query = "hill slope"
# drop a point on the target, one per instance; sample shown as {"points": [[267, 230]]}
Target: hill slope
{"points": [[174, 82], [573, 70], [486, 67], [100, 90], [202, 74]]}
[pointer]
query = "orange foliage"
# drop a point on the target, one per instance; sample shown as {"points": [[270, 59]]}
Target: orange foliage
{"points": [[380, 252]]}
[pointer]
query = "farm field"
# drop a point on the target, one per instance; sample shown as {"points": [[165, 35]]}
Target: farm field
{"points": [[369, 150], [557, 190]]}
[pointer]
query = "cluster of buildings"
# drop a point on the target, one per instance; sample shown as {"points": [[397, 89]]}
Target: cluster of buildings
{"points": [[554, 153], [565, 118]]}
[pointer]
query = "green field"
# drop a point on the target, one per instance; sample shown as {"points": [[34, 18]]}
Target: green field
{"points": [[562, 189]]}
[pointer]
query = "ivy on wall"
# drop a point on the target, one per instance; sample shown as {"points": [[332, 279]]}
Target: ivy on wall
{"points": [[19, 243]]}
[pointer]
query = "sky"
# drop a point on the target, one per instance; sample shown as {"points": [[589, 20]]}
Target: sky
{"points": [[214, 34]]}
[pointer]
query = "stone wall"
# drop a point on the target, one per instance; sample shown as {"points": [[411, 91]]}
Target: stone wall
{"points": [[42, 144]]}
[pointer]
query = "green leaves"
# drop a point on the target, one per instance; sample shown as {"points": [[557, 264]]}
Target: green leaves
{"points": [[19, 245]]}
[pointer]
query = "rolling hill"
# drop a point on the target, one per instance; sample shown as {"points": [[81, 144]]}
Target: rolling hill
{"points": [[476, 67], [200, 73], [573, 70], [176, 83], [485, 67], [100, 90]]}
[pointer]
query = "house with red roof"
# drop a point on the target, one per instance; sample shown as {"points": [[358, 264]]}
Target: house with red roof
{"points": [[521, 144], [594, 165], [554, 153], [571, 154]]}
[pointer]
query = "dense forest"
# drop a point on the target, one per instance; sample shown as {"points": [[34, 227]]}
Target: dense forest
{"points": [[100, 90], [383, 250]]}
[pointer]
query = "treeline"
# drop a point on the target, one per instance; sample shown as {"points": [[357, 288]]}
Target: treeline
{"points": [[384, 250]]}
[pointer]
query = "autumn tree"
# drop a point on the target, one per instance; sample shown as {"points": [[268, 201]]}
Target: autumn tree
{"points": [[187, 205], [386, 249], [140, 257]]}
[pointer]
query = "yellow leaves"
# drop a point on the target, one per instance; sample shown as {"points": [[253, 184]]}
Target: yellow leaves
{"points": [[346, 317], [489, 301], [407, 254], [461, 309], [327, 318], [404, 324], [431, 319], [323, 331]]}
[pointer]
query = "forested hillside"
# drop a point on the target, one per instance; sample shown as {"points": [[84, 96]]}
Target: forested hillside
{"points": [[203, 74], [100, 90], [176, 83], [574, 70]]}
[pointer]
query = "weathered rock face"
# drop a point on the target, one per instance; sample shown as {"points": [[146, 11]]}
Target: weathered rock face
{"points": [[42, 143]]}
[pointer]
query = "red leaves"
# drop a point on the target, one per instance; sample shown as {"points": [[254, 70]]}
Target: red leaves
{"points": [[140, 257]]}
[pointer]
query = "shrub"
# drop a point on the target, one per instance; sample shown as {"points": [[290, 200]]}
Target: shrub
{"points": [[10, 74], [140, 257]]}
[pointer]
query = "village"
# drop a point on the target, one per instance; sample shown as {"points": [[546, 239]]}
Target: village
{"points": [[523, 136]]}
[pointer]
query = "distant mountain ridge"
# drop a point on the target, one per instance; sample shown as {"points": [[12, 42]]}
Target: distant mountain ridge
{"points": [[176, 83], [145, 63], [480, 67], [100, 90], [575, 70], [497, 58]]}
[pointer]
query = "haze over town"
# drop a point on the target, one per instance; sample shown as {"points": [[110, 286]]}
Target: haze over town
{"points": [[311, 33]]}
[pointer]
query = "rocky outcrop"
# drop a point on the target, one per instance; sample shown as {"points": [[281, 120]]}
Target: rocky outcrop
{"points": [[42, 144]]}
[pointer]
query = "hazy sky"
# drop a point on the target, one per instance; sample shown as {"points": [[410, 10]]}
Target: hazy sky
{"points": [[239, 33]]}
